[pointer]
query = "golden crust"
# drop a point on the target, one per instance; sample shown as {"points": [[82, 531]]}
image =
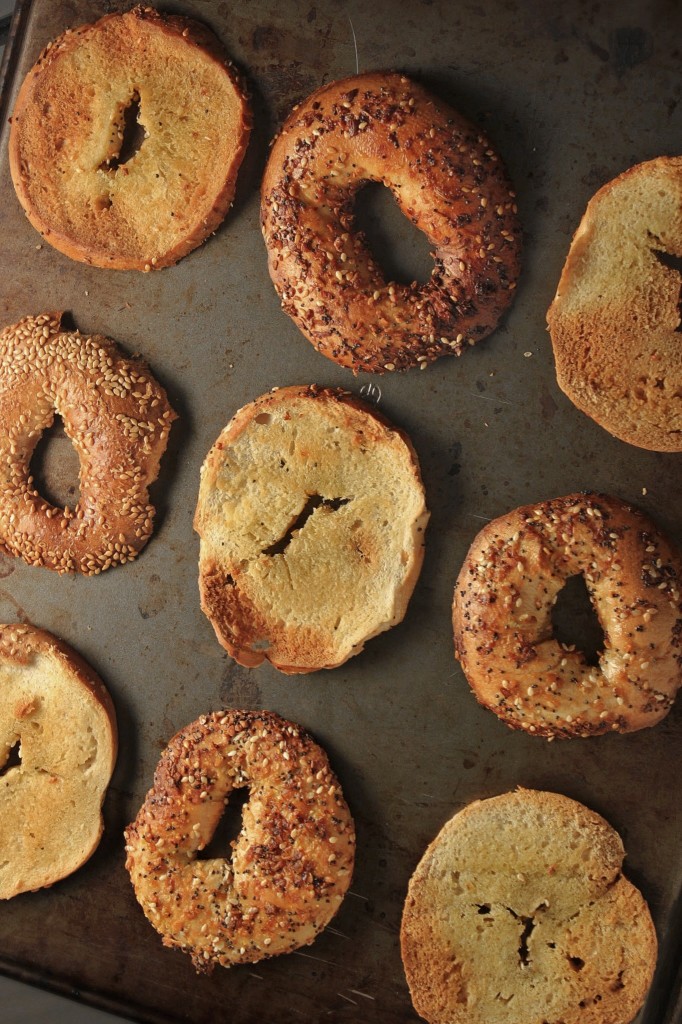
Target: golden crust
{"points": [[68, 125], [518, 913], [615, 319], [312, 516], [56, 708], [118, 419], [290, 866], [446, 179], [503, 598]]}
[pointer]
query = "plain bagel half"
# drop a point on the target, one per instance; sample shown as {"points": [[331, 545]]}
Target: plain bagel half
{"points": [[76, 169], [58, 743], [311, 514], [518, 913], [615, 319]]}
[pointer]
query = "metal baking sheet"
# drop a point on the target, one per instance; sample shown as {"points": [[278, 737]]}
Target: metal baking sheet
{"points": [[571, 95]]}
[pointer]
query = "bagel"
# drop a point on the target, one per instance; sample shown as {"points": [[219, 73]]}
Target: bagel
{"points": [[290, 866], [502, 607], [446, 179], [615, 319], [55, 711], [518, 914], [71, 126], [118, 419], [311, 516]]}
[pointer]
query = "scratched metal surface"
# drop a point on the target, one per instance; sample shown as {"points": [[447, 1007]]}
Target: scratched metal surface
{"points": [[571, 94]]}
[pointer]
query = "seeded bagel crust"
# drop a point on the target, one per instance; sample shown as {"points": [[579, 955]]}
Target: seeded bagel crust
{"points": [[290, 866], [447, 180], [615, 319], [503, 631], [311, 515], [56, 712], [117, 417], [518, 914], [68, 127]]}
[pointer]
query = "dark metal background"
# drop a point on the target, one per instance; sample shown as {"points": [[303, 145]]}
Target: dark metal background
{"points": [[571, 94]]}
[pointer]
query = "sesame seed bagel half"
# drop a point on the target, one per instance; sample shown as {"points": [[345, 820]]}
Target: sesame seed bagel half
{"points": [[446, 178], [118, 418], [289, 868], [126, 139], [58, 744], [311, 514], [504, 634], [518, 913], [615, 319]]}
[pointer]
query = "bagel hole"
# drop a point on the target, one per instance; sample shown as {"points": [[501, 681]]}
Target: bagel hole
{"points": [[55, 466], [528, 927], [313, 502], [13, 758], [402, 252], [672, 262], [228, 828], [575, 621], [131, 134]]}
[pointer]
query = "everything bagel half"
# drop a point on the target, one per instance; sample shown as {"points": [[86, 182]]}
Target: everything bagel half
{"points": [[289, 868], [502, 617], [74, 119], [446, 178]]}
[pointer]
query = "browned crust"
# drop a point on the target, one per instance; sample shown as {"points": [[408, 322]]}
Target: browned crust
{"points": [[30, 167], [19, 641], [19, 644], [502, 628], [240, 624], [600, 967], [290, 866], [615, 319], [447, 180], [118, 419]]}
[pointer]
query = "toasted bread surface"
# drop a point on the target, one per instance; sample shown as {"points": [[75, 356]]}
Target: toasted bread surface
{"points": [[57, 715], [615, 319], [146, 208], [311, 514], [518, 914]]}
